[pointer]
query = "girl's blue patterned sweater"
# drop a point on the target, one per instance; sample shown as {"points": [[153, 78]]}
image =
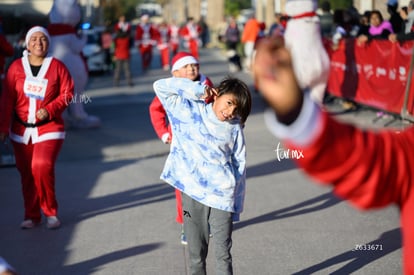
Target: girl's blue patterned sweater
{"points": [[207, 159]]}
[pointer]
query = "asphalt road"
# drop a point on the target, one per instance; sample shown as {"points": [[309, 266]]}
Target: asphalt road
{"points": [[118, 217]]}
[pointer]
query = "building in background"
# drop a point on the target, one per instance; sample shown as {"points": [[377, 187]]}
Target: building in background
{"points": [[21, 7], [92, 12], [152, 9], [18, 15], [179, 10]]}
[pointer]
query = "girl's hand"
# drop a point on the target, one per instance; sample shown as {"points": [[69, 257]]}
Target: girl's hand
{"points": [[209, 92], [42, 114], [276, 80]]}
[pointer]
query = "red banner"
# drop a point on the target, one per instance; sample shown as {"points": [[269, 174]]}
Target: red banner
{"points": [[374, 74]]}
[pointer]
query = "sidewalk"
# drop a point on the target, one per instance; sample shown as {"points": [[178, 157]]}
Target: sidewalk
{"points": [[119, 217]]}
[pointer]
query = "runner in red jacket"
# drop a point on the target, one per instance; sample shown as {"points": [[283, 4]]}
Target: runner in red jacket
{"points": [[163, 43], [369, 169], [6, 49], [122, 56], [38, 88], [145, 39], [190, 33], [187, 66]]}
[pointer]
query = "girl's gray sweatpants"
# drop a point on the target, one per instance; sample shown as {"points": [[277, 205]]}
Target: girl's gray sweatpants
{"points": [[199, 221]]}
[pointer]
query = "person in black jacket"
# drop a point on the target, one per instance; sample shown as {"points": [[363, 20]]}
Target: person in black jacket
{"points": [[395, 19], [232, 40], [407, 32]]}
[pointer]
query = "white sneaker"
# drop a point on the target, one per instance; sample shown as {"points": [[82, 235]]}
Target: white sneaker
{"points": [[183, 238], [52, 222], [27, 224]]}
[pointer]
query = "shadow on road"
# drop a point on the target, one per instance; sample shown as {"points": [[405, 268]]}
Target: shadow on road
{"points": [[91, 266], [315, 204], [388, 242]]}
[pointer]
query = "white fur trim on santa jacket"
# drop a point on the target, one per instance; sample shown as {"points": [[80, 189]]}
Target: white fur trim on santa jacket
{"points": [[20, 109]]}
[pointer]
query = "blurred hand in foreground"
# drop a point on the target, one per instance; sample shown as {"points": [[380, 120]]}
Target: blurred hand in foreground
{"points": [[276, 80]]}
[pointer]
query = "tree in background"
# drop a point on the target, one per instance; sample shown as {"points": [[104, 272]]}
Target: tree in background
{"points": [[112, 9], [339, 4], [233, 7]]}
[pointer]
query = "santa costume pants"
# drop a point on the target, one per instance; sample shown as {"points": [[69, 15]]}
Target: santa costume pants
{"points": [[165, 57], [36, 164], [146, 56], [179, 205], [193, 48], [174, 48], [122, 64]]}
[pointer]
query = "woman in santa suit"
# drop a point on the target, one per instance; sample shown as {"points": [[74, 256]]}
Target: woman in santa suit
{"points": [[174, 38], [38, 88], [163, 39], [145, 39]]}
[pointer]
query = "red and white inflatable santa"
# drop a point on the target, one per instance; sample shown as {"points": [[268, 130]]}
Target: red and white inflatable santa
{"points": [[66, 45]]}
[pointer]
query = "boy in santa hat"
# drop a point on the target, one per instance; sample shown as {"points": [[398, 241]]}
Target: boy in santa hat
{"points": [[184, 65]]}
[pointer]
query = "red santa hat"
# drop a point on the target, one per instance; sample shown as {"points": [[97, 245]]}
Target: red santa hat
{"points": [[182, 59]]}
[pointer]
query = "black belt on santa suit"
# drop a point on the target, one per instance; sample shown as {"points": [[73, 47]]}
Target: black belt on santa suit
{"points": [[31, 125]]}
